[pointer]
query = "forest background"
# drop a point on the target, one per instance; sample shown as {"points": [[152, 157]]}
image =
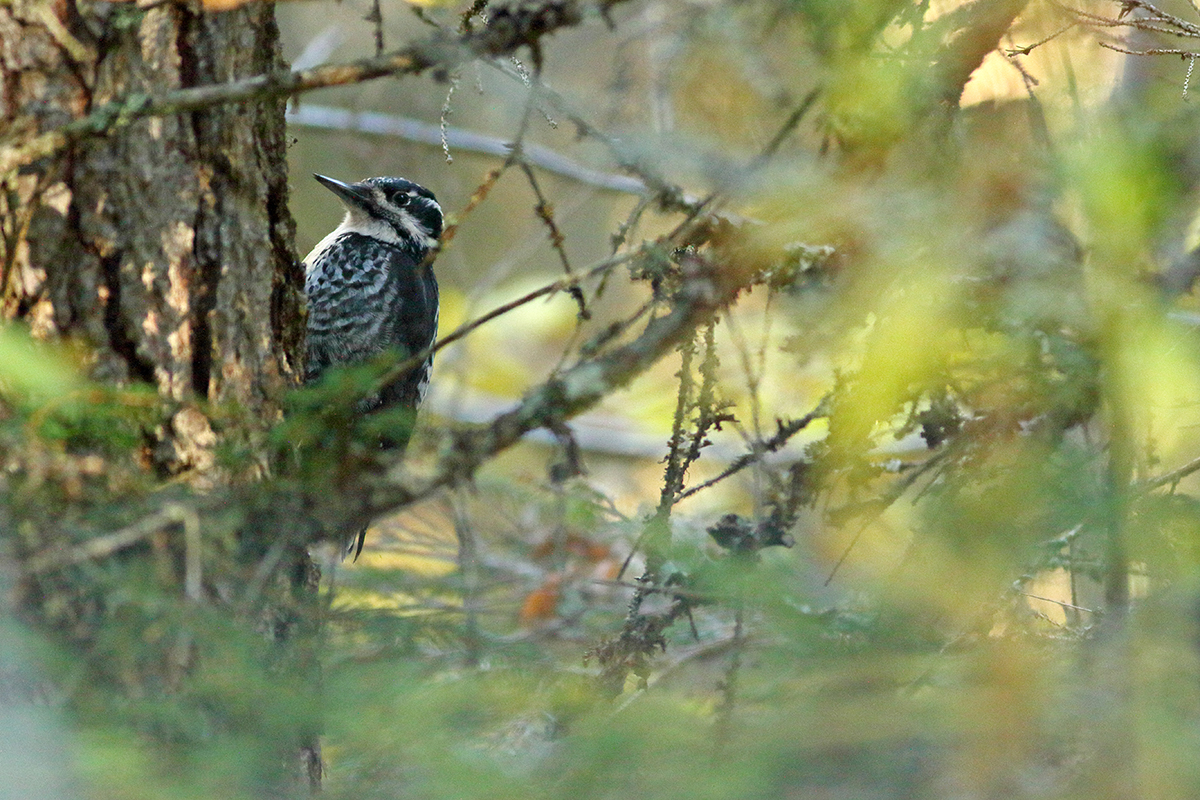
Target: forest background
{"points": [[815, 415]]}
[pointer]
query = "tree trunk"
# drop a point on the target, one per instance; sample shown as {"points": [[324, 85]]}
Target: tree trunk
{"points": [[163, 249], [160, 244]]}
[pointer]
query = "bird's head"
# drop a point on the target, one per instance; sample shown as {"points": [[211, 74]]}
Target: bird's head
{"points": [[406, 208]]}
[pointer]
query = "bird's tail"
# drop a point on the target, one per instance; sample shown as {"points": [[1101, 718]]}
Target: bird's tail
{"points": [[354, 545]]}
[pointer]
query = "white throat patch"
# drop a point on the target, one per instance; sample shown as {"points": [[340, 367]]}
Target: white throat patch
{"points": [[357, 222]]}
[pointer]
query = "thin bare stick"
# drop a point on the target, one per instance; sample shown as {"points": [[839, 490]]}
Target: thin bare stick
{"points": [[562, 284], [1056, 602], [545, 212], [107, 544], [784, 433], [1172, 477], [894, 494], [1029, 48], [785, 130], [1153, 51]]}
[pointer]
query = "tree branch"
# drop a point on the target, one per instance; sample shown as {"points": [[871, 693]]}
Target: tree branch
{"points": [[706, 289], [106, 545], [414, 130], [983, 24], [507, 31]]}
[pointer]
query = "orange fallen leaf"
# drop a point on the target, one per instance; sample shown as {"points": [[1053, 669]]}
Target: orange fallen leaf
{"points": [[542, 603]]}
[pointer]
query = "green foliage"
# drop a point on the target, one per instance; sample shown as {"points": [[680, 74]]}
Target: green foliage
{"points": [[31, 371]]}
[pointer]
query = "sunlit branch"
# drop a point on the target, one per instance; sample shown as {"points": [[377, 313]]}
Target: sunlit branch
{"points": [[669, 196], [1056, 602], [545, 212], [1153, 51], [1029, 48], [1154, 23]]}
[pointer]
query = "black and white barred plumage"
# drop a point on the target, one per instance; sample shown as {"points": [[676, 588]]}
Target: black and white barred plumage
{"points": [[370, 290]]}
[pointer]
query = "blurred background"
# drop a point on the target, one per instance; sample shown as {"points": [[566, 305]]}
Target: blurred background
{"points": [[1004, 384], [694, 92]]}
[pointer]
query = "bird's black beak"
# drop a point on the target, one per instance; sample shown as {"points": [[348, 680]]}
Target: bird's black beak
{"points": [[351, 194]]}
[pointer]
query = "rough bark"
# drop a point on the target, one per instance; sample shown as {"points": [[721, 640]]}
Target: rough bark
{"points": [[160, 244], [164, 249]]}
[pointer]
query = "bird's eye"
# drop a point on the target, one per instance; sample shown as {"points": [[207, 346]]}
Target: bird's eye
{"points": [[401, 199]]}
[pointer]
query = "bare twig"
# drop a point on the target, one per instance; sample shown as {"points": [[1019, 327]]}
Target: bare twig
{"points": [[562, 284], [1029, 48], [545, 213], [1155, 20], [1151, 51], [785, 130], [1158, 14], [107, 544], [443, 125], [669, 196], [893, 494], [1057, 602], [375, 17], [1170, 478], [786, 430]]}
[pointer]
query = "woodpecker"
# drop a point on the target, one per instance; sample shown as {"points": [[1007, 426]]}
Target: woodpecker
{"points": [[370, 290]]}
